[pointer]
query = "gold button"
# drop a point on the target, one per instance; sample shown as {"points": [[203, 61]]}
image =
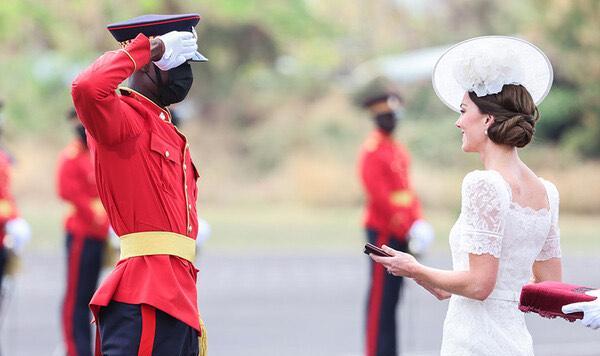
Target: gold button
{"points": [[162, 115], [190, 228], [187, 146], [167, 154], [190, 206], [184, 167]]}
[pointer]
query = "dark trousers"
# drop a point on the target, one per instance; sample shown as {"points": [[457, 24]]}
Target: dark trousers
{"points": [[383, 296], [84, 261], [122, 334], [3, 258]]}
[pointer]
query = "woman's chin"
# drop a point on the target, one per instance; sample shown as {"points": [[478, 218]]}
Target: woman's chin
{"points": [[467, 148]]}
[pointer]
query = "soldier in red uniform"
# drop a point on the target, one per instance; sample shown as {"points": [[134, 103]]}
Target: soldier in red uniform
{"points": [[86, 232], [8, 209], [147, 184], [14, 230], [392, 208]]}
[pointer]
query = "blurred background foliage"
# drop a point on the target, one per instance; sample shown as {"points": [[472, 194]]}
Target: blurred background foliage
{"points": [[271, 116]]}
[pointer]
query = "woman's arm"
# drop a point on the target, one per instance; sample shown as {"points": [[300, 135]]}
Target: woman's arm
{"points": [[548, 270], [436, 292], [475, 283], [485, 199]]}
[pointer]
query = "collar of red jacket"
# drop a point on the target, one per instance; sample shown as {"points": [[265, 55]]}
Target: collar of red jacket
{"points": [[381, 137], [164, 114]]}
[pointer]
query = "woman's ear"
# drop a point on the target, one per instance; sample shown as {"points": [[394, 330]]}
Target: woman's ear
{"points": [[489, 120]]}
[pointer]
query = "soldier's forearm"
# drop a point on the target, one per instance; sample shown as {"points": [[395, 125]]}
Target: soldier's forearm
{"points": [[157, 49]]}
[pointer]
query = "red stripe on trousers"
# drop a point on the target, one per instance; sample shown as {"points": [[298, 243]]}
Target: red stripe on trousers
{"points": [[375, 300], [77, 243], [98, 349], [148, 330]]}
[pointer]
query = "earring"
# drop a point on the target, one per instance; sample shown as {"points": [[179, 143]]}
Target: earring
{"points": [[485, 132]]}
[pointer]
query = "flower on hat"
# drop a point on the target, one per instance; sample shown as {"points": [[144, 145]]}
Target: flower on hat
{"points": [[486, 71]]}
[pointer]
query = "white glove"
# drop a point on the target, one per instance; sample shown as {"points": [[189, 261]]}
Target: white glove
{"points": [[113, 239], [179, 47], [18, 232], [591, 310], [203, 232], [420, 235]]}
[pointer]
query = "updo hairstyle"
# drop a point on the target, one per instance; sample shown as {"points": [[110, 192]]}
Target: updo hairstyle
{"points": [[514, 112]]}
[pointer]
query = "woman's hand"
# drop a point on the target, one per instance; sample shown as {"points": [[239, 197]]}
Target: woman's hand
{"points": [[400, 264], [440, 294]]}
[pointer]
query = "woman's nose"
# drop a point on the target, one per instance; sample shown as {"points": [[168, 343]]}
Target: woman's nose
{"points": [[457, 123]]}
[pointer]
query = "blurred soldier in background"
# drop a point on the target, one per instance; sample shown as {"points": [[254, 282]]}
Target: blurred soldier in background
{"points": [[392, 212], [86, 228], [14, 230]]}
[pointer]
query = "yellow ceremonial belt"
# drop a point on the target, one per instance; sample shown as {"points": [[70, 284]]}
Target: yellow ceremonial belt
{"points": [[158, 243], [163, 243]]}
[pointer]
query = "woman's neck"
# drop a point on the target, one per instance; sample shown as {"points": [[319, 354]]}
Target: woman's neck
{"points": [[500, 158]]}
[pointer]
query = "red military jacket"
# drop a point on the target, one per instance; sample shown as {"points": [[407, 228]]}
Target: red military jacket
{"points": [[76, 184], [391, 204], [146, 181], [8, 208]]}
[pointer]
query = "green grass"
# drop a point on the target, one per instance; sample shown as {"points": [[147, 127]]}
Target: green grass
{"points": [[281, 227], [278, 227], [296, 228]]}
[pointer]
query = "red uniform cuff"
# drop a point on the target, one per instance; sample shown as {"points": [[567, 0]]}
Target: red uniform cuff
{"points": [[139, 51]]}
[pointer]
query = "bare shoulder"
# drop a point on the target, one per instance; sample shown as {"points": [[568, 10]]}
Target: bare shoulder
{"points": [[529, 190]]}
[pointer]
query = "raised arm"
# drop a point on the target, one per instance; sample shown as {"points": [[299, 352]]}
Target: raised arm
{"points": [[94, 94]]}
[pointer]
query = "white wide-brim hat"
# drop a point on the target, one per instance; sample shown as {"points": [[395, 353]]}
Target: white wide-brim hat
{"points": [[484, 64]]}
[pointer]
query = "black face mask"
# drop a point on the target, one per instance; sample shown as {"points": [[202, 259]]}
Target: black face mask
{"points": [[80, 133], [178, 85], [386, 122]]}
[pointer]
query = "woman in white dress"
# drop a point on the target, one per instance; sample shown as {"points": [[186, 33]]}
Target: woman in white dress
{"points": [[507, 233]]}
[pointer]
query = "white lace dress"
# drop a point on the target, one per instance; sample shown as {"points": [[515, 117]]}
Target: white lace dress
{"points": [[490, 223]]}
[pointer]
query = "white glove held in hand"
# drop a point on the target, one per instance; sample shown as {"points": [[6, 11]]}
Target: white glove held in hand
{"points": [[19, 233], [113, 239], [203, 232], [421, 235], [179, 47], [591, 310]]}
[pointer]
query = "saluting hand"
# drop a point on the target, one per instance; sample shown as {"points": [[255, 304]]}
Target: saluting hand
{"points": [[179, 47], [400, 264]]}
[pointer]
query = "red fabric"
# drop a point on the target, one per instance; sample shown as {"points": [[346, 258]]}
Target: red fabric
{"points": [[384, 171], [77, 185], [547, 299], [8, 208], [143, 167], [71, 295], [148, 330]]}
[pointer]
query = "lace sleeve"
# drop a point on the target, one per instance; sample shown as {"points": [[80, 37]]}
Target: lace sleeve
{"points": [[551, 248], [485, 200]]}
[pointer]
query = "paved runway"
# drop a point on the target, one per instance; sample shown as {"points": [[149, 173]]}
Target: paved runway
{"points": [[283, 305]]}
